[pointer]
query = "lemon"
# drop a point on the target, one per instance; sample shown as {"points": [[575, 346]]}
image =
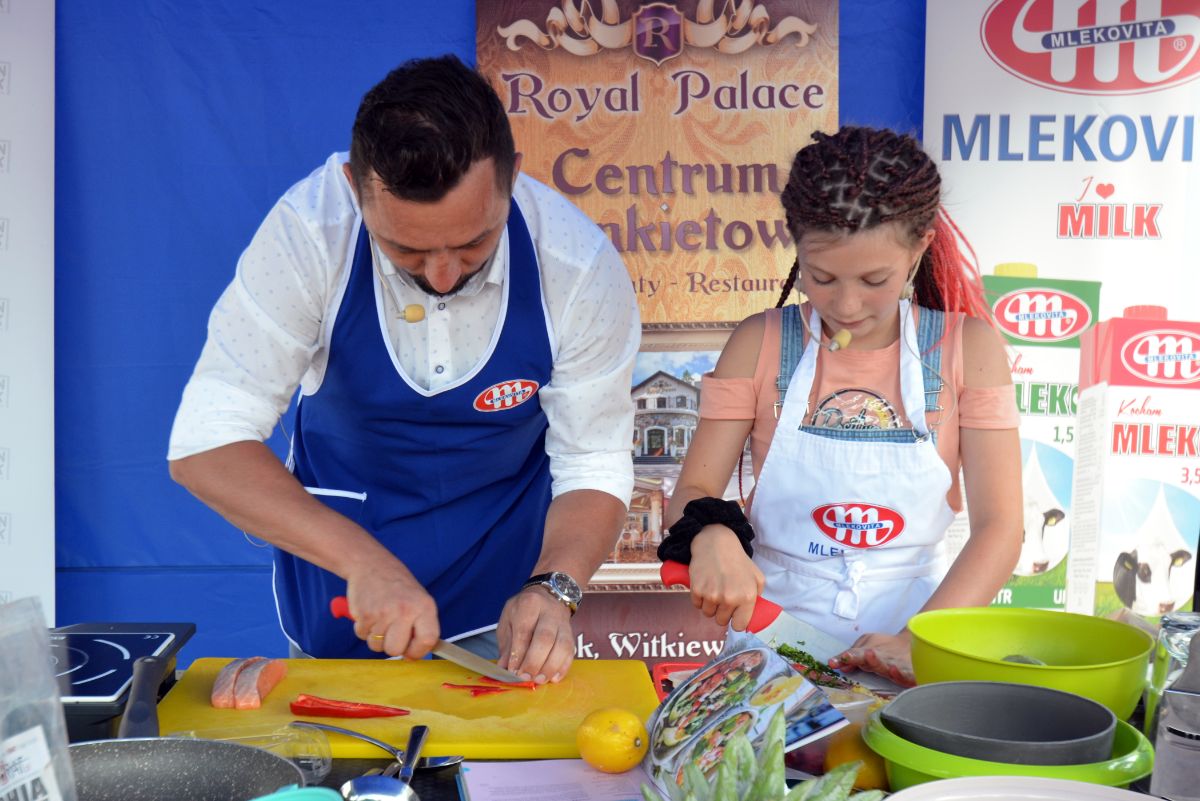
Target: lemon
{"points": [[613, 740], [847, 745]]}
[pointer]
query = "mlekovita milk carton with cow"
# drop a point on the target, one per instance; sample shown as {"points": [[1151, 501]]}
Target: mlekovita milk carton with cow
{"points": [[1042, 320], [1136, 498]]}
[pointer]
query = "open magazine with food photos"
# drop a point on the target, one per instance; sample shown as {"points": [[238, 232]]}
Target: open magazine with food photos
{"points": [[736, 693]]}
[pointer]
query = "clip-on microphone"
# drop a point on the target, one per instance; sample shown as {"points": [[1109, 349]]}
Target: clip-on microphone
{"points": [[839, 340]]}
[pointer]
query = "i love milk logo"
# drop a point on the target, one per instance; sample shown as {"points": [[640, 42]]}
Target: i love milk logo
{"points": [[1095, 47], [1041, 314], [853, 524], [505, 395], [1163, 356]]}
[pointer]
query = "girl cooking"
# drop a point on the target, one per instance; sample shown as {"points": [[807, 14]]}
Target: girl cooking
{"points": [[861, 406]]}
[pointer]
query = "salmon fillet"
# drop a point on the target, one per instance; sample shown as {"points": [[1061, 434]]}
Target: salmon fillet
{"points": [[255, 681], [223, 687]]}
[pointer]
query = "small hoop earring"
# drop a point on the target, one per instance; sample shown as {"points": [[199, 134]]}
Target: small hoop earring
{"points": [[909, 290]]}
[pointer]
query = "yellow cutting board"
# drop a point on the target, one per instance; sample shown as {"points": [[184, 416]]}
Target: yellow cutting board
{"points": [[519, 724]]}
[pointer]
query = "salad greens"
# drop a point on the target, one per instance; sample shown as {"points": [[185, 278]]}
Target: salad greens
{"points": [[742, 777]]}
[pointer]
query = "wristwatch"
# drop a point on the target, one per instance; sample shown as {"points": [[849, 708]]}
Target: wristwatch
{"points": [[560, 585]]}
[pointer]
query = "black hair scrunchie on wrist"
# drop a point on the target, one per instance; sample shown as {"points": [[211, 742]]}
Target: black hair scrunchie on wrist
{"points": [[677, 547]]}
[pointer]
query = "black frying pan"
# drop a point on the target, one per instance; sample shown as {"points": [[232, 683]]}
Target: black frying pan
{"points": [[141, 766]]}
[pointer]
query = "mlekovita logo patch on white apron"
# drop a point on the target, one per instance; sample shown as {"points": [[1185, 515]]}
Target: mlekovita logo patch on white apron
{"points": [[856, 524], [506, 395]]}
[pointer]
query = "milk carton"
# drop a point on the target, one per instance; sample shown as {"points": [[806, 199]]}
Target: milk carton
{"points": [[1136, 498], [1042, 319]]}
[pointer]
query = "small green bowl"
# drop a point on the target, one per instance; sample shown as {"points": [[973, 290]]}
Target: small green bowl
{"points": [[909, 764], [1097, 658]]}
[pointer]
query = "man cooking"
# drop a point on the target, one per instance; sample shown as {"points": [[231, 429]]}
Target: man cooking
{"points": [[463, 339]]}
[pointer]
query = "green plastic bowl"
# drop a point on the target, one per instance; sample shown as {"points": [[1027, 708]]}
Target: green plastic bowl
{"points": [[908, 764], [1097, 658]]}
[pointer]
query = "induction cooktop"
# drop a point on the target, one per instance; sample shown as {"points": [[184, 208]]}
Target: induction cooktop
{"points": [[97, 666], [94, 666]]}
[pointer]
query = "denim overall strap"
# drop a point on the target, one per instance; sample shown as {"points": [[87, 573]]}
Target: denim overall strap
{"points": [[930, 328], [790, 347]]}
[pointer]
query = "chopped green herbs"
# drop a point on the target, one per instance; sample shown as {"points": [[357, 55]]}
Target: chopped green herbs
{"points": [[816, 672]]}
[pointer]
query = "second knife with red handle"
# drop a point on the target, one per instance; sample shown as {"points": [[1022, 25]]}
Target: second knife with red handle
{"points": [[769, 622]]}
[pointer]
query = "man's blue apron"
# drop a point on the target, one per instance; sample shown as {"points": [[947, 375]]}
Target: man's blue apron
{"points": [[455, 483]]}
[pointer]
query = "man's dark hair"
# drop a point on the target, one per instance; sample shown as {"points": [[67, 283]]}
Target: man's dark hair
{"points": [[422, 127]]}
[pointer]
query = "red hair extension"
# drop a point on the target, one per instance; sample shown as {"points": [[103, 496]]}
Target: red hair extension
{"points": [[950, 273]]}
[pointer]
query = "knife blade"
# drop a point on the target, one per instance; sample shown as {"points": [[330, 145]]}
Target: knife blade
{"points": [[461, 656], [340, 607], [769, 622]]}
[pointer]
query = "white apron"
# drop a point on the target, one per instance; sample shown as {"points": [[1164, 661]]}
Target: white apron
{"points": [[849, 525]]}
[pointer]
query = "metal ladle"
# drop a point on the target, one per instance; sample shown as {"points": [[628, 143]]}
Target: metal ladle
{"points": [[386, 788], [423, 763], [416, 741], [376, 788]]}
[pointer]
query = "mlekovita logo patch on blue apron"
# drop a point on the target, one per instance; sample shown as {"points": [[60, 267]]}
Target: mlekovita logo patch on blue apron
{"points": [[506, 395]]}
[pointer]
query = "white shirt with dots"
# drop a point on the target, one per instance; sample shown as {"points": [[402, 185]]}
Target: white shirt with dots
{"points": [[269, 331]]}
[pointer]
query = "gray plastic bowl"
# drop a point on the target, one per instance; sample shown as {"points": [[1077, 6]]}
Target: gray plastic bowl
{"points": [[1003, 722]]}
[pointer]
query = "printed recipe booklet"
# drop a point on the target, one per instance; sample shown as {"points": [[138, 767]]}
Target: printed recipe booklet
{"points": [[737, 693]]}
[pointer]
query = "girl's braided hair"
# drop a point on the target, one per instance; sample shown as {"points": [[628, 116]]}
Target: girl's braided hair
{"points": [[859, 178]]}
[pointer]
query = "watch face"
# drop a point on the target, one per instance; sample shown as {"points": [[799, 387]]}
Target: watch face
{"points": [[566, 586]]}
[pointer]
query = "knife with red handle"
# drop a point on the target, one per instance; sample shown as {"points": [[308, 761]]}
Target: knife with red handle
{"points": [[340, 607], [769, 622]]}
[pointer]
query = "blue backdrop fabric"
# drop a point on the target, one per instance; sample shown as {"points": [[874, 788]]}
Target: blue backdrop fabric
{"points": [[178, 126]]}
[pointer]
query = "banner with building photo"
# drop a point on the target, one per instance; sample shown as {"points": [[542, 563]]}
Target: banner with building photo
{"points": [[27, 302], [673, 126], [1066, 133]]}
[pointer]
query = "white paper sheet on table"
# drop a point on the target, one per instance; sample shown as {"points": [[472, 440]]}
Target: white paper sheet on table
{"points": [[547, 780]]}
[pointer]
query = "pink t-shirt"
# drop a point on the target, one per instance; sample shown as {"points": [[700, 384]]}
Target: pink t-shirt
{"points": [[852, 380]]}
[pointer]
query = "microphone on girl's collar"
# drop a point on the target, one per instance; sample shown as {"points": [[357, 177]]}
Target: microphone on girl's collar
{"points": [[839, 340], [415, 313], [836, 342]]}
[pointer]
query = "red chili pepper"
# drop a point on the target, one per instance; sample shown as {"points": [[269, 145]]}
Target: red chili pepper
{"points": [[332, 708], [528, 685], [476, 690]]}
